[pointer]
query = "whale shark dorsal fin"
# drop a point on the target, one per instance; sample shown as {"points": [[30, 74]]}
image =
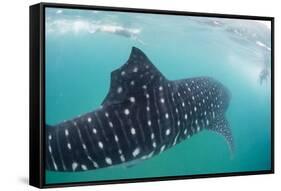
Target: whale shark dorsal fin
{"points": [[136, 75]]}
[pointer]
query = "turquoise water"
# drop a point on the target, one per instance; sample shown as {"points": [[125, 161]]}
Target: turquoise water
{"points": [[83, 47]]}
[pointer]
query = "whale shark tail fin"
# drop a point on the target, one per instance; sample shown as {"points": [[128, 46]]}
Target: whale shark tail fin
{"points": [[220, 125]]}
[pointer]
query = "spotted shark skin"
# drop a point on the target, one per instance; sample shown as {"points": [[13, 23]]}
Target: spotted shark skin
{"points": [[142, 115]]}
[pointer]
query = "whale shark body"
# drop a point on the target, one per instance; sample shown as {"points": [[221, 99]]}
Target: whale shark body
{"points": [[142, 115]]}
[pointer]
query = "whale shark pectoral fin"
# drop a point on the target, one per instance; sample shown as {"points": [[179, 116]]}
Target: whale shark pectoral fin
{"points": [[137, 74], [221, 126]]}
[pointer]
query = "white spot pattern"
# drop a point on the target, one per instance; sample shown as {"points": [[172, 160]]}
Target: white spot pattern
{"points": [[94, 131], [168, 131], [122, 158], [162, 148], [89, 119], [69, 146], [108, 160], [50, 149], [132, 100], [119, 90], [84, 146], [133, 131], [84, 167], [74, 166], [116, 138], [127, 111], [136, 152], [100, 145], [132, 83]]}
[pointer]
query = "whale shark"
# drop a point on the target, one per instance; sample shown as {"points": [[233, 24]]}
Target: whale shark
{"points": [[142, 115]]}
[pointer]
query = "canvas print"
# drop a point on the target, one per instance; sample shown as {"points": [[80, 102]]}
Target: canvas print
{"points": [[138, 95]]}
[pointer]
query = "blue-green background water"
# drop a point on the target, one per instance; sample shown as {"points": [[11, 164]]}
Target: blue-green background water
{"points": [[83, 47]]}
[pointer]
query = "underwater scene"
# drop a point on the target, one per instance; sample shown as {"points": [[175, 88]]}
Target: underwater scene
{"points": [[138, 95]]}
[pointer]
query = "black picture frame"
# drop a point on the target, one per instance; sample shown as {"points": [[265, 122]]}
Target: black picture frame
{"points": [[37, 94]]}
